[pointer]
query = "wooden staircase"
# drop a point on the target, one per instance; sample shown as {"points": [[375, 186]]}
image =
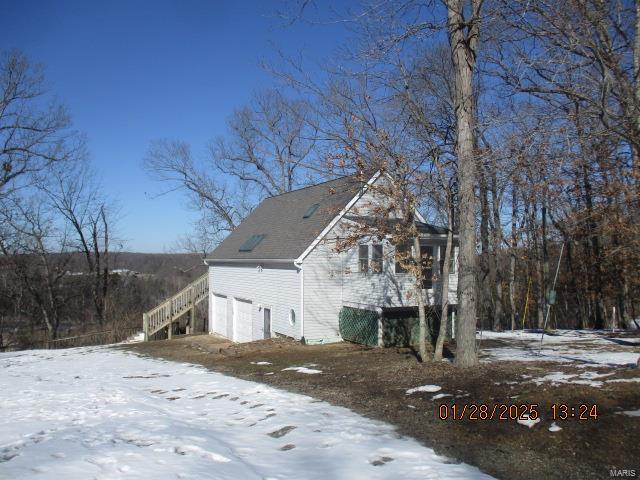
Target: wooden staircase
{"points": [[173, 308]]}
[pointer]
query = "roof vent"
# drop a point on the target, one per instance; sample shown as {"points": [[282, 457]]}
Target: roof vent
{"points": [[310, 211], [251, 243]]}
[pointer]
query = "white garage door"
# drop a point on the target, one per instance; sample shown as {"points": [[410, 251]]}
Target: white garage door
{"points": [[220, 315], [243, 321]]}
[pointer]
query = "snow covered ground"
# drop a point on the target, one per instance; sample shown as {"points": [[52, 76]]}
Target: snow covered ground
{"points": [[587, 357], [585, 347], [102, 413]]}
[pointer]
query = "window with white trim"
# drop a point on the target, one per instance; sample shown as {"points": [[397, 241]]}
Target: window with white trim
{"points": [[427, 256], [363, 258]]}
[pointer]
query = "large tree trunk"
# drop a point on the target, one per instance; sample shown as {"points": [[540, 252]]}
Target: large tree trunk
{"points": [[463, 38], [574, 288], [596, 270]]}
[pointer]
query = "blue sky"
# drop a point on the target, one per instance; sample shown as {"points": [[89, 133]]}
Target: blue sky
{"points": [[133, 71]]}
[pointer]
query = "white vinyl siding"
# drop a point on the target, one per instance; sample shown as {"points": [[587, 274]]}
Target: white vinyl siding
{"points": [[434, 292], [384, 289], [274, 287], [333, 280], [322, 293], [370, 203]]}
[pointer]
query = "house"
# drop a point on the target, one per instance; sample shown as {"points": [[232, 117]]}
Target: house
{"points": [[278, 272]]}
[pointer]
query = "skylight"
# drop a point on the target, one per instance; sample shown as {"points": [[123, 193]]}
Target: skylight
{"points": [[251, 243], [310, 211]]}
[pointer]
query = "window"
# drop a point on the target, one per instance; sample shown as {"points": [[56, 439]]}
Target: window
{"points": [[251, 243], [452, 259], [376, 258], [402, 252], [363, 258], [292, 317], [427, 255], [311, 210]]}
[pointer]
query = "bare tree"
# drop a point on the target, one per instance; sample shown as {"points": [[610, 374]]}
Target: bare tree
{"points": [[35, 136], [577, 63], [31, 238], [32, 137], [222, 206], [75, 196], [270, 143], [266, 151], [585, 53]]}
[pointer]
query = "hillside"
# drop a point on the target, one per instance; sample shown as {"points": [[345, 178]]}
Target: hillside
{"points": [[128, 296]]}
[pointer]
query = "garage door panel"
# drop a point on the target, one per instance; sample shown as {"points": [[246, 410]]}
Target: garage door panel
{"points": [[229, 332], [220, 314], [243, 321]]}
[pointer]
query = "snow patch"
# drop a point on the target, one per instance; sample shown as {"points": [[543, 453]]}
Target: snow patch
{"points": [[584, 378], [631, 413], [308, 371], [136, 338], [424, 388], [441, 395], [527, 422], [554, 427]]}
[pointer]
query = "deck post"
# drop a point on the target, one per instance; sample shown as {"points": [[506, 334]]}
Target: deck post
{"points": [[145, 326], [169, 332], [192, 311]]}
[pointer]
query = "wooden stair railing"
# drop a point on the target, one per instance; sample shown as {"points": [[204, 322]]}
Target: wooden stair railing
{"points": [[171, 309]]}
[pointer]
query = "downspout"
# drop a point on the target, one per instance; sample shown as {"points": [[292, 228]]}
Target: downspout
{"points": [[298, 264]]}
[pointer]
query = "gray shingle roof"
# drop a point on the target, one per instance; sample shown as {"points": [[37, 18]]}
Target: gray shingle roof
{"points": [[280, 218], [424, 228]]}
